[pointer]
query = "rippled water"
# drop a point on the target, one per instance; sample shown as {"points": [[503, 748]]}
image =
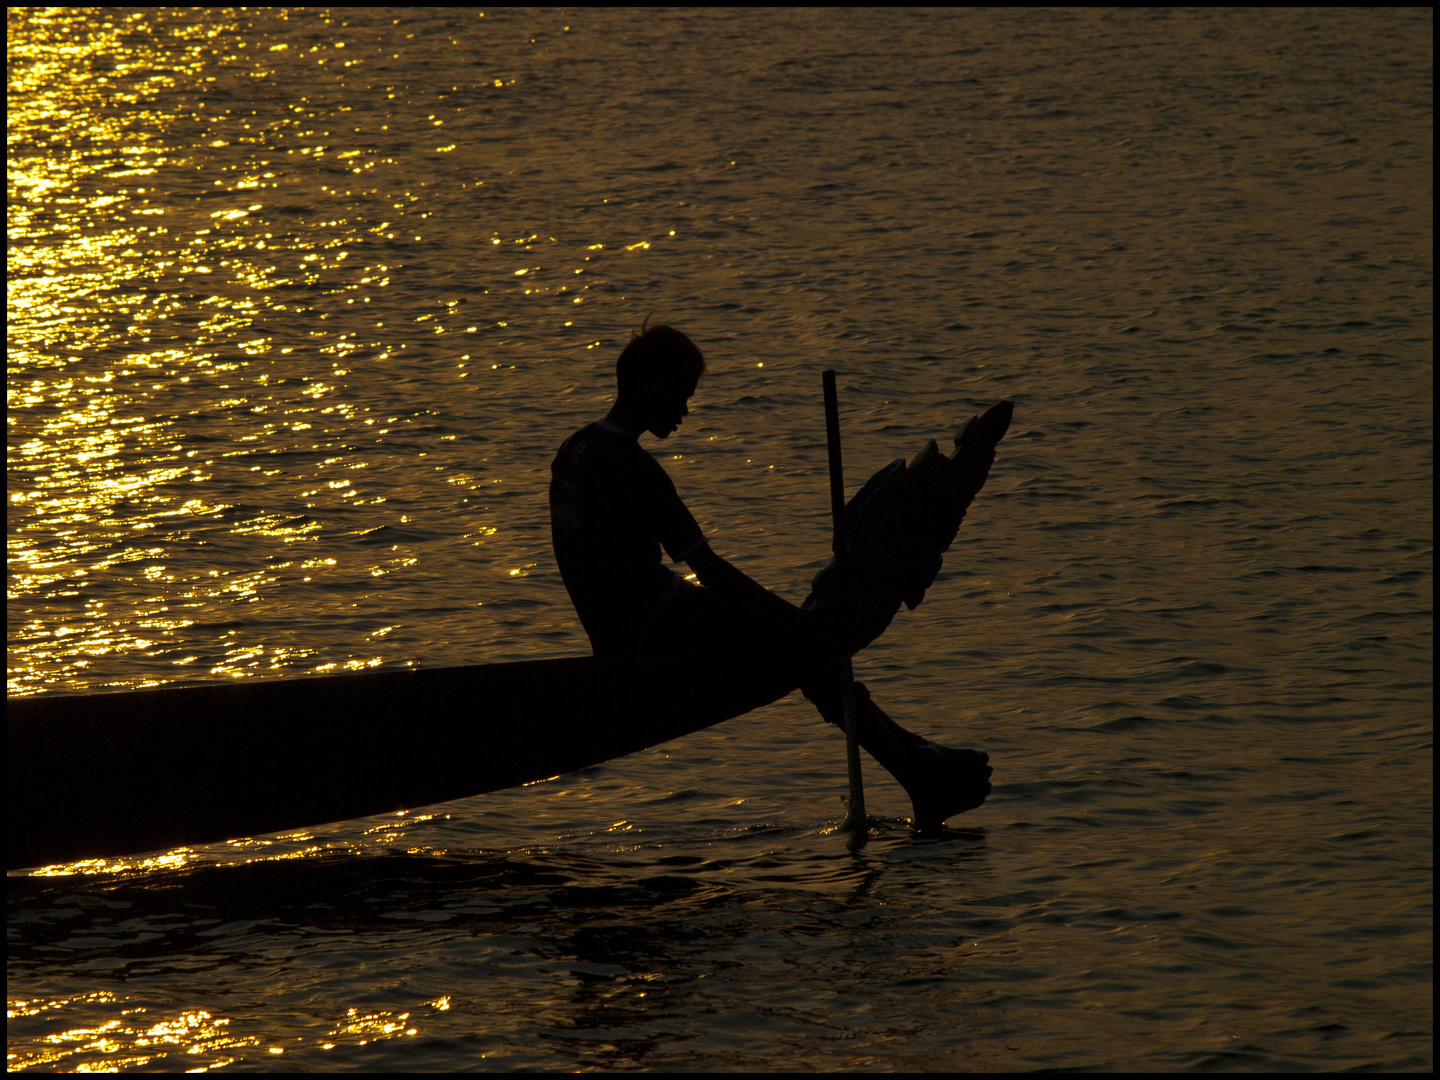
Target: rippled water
{"points": [[301, 304]]}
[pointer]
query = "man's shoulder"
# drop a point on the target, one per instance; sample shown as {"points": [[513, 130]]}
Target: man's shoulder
{"points": [[601, 441], [599, 451]]}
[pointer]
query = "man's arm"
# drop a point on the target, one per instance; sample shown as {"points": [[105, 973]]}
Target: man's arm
{"points": [[715, 573]]}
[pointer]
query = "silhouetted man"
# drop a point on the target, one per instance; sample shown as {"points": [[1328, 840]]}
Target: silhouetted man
{"points": [[613, 509]]}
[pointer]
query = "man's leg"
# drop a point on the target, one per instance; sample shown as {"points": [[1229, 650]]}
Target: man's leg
{"points": [[941, 782]]}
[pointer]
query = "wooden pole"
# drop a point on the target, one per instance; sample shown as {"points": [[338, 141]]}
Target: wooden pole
{"points": [[855, 819]]}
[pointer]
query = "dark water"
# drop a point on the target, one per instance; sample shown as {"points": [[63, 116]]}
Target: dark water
{"points": [[301, 304]]}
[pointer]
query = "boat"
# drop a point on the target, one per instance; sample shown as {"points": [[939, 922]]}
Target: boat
{"points": [[95, 776]]}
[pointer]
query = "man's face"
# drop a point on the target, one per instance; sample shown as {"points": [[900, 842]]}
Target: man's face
{"points": [[667, 409]]}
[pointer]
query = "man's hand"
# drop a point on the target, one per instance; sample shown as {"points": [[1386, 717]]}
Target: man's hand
{"points": [[715, 573]]}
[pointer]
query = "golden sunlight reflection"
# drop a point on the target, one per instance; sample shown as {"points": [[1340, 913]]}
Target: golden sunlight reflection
{"points": [[186, 300], [282, 847], [17, 1008], [367, 1026], [362, 1027], [138, 1036], [170, 860]]}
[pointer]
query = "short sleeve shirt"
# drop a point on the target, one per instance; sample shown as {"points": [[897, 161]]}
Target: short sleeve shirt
{"points": [[612, 510]]}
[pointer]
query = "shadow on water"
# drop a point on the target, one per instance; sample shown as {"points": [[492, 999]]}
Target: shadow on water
{"points": [[641, 903], [604, 956]]}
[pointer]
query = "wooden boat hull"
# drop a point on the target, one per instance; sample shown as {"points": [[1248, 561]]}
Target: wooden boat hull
{"points": [[100, 775]]}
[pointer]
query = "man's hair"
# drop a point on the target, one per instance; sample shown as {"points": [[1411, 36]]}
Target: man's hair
{"points": [[656, 357]]}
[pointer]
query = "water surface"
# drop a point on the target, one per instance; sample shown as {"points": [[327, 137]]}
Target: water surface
{"points": [[302, 303]]}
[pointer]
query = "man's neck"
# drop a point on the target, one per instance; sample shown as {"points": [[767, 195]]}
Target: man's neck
{"points": [[623, 418]]}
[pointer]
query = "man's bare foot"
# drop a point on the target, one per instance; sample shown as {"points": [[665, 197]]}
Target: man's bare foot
{"points": [[945, 782]]}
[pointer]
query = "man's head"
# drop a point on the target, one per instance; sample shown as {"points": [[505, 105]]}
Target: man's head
{"points": [[655, 375]]}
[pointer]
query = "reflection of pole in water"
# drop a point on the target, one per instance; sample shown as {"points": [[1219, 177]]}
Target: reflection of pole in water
{"points": [[855, 821]]}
